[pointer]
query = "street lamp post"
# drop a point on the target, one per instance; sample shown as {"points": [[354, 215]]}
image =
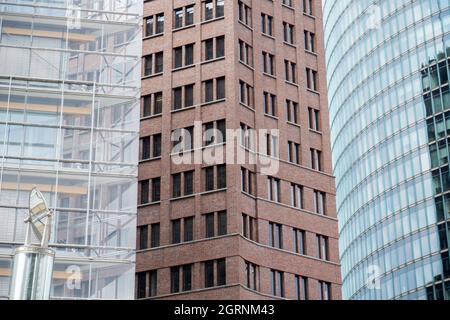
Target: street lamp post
{"points": [[33, 263]]}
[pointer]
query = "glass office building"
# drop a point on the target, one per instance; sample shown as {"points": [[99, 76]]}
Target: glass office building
{"points": [[388, 67], [69, 122]]}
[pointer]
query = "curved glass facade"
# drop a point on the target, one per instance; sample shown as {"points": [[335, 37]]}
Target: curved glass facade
{"points": [[69, 122], [388, 66]]}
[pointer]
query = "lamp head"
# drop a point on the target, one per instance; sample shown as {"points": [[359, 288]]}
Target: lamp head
{"points": [[39, 213]]}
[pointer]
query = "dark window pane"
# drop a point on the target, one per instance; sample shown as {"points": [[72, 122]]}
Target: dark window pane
{"points": [[221, 177], [178, 60], [189, 95], [174, 279], [209, 179], [222, 223], [221, 272], [179, 17], [177, 98], [176, 185], [187, 277], [209, 274], [209, 223], [176, 231], [155, 229], [145, 143], [209, 49], [156, 146], [189, 183], [189, 16], [220, 47], [153, 283], [220, 88], [189, 54], [156, 190], [143, 237], [189, 229], [141, 285], [158, 103], [144, 191], [209, 91], [158, 62], [147, 106], [222, 130]]}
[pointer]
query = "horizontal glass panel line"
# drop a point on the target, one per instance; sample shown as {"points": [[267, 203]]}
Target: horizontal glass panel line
{"points": [[81, 259], [130, 213], [136, 57], [32, 80], [85, 129], [134, 12]]}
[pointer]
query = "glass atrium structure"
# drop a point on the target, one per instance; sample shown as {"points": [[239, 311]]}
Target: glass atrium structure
{"points": [[69, 122], [388, 67]]}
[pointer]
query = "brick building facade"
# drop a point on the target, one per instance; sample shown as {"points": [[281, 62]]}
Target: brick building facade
{"points": [[229, 231]]}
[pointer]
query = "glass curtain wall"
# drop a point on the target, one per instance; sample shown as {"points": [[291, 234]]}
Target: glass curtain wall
{"points": [[69, 121], [389, 100]]}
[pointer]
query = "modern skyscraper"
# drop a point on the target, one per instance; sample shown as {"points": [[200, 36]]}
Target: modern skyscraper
{"points": [[69, 124], [388, 66], [235, 230]]}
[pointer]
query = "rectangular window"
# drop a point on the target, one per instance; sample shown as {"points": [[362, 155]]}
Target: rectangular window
{"points": [[152, 28], [319, 202], [251, 275], [322, 247], [277, 281], [299, 241], [176, 231], [245, 13], [222, 223], [187, 277], [288, 32], [209, 274], [325, 290], [296, 196], [156, 189], [188, 229], [209, 179], [290, 71], [209, 225], [311, 77], [266, 24], [316, 159], [144, 191], [141, 285], [301, 284], [174, 279], [275, 235], [188, 183], [273, 189], [314, 119], [155, 235], [270, 104], [143, 237], [292, 111], [221, 272]]}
